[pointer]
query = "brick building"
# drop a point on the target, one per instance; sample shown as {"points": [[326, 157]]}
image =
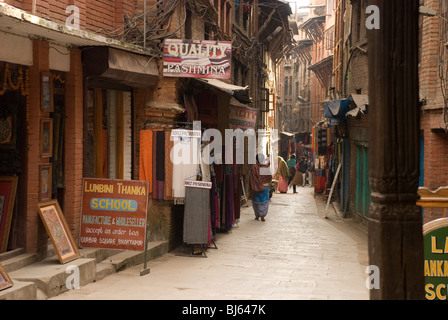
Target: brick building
{"points": [[41, 45], [433, 117], [105, 68], [351, 83]]}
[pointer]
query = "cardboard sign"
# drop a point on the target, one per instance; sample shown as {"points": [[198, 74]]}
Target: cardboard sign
{"points": [[113, 214], [435, 246]]}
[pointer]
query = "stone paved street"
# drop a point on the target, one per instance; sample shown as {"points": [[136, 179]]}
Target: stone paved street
{"points": [[296, 254]]}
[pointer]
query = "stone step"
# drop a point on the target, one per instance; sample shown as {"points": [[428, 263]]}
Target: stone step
{"points": [[48, 278]]}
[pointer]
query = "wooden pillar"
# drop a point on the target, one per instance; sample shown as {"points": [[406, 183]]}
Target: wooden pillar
{"points": [[395, 226]]}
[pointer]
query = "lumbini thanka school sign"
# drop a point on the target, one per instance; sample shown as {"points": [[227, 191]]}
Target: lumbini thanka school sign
{"points": [[197, 58], [113, 214]]}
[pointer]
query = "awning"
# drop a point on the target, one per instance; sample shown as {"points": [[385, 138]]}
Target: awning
{"points": [[361, 103], [120, 66], [239, 93], [336, 109]]}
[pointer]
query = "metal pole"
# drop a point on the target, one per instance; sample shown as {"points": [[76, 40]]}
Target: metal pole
{"points": [[146, 270]]}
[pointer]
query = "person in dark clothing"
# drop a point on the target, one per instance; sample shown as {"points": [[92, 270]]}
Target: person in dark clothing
{"points": [[310, 172], [292, 162], [303, 166]]}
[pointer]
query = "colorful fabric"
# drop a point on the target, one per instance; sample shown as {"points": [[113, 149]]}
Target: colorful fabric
{"points": [[145, 158], [168, 187], [260, 203], [282, 185], [291, 162], [256, 180], [283, 170], [261, 196]]}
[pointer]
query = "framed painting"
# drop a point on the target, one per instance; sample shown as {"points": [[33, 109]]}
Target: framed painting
{"points": [[8, 189], [46, 92], [45, 181], [8, 132], [57, 228], [5, 280], [46, 137]]}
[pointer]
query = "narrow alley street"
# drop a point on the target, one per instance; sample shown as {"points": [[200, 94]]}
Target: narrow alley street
{"points": [[295, 254]]}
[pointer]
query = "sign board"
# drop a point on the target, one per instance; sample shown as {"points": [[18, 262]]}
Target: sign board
{"points": [[113, 214], [197, 58], [435, 246], [242, 117], [198, 184]]}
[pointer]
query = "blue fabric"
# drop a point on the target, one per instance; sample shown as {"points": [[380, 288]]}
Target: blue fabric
{"points": [[336, 109], [260, 209], [261, 196]]}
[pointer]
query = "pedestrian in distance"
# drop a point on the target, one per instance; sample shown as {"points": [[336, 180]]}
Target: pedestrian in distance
{"points": [[310, 172], [302, 166], [259, 188], [283, 175], [292, 162]]}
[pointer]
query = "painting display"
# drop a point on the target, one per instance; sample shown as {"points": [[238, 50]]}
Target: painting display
{"points": [[45, 179], [56, 226], [46, 137], [8, 188], [5, 280]]}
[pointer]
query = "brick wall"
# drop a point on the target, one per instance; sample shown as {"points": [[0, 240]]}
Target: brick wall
{"points": [[102, 16], [435, 139], [36, 237]]}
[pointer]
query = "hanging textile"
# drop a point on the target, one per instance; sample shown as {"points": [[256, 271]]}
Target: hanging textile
{"points": [[236, 191], [168, 187], [196, 215], [184, 165], [145, 157], [229, 208], [159, 164]]}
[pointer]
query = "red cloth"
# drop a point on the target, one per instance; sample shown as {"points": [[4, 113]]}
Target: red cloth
{"points": [[282, 185], [257, 181]]}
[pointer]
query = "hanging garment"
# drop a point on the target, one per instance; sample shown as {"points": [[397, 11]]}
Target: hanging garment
{"points": [[168, 187], [196, 215], [145, 158], [184, 165], [230, 212], [159, 164]]}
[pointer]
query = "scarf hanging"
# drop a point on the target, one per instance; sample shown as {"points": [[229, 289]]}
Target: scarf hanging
{"points": [[168, 188], [182, 170], [145, 157]]}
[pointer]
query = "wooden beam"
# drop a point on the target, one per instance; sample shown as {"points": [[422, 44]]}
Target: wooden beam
{"points": [[395, 221]]}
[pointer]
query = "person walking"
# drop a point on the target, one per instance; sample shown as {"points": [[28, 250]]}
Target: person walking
{"points": [[302, 167], [259, 188], [292, 162], [283, 175], [310, 172]]}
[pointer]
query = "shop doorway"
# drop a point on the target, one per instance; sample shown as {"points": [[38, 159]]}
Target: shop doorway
{"points": [[108, 149], [14, 95]]}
